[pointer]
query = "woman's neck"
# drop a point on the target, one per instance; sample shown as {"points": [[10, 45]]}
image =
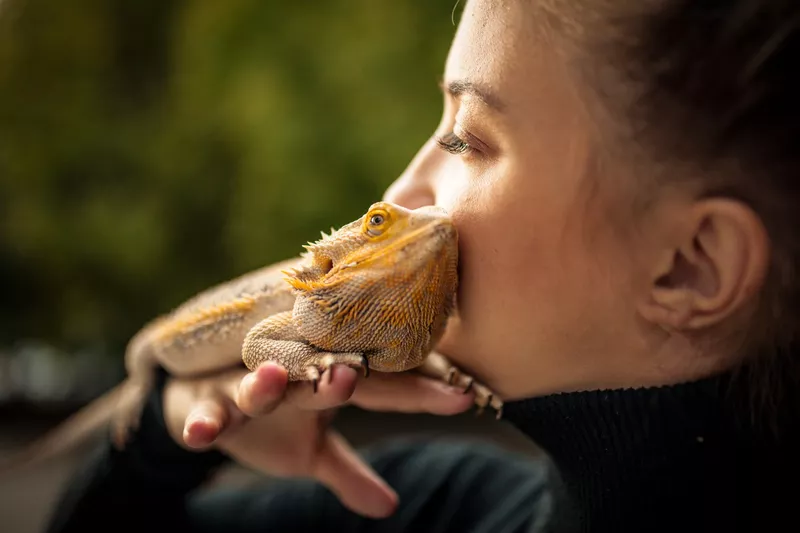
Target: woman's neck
{"points": [[673, 458]]}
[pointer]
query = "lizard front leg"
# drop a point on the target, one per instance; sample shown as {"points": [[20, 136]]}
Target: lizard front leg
{"points": [[438, 366], [276, 339]]}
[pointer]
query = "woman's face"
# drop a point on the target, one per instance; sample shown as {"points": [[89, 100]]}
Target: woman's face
{"points": [[554, 262]]}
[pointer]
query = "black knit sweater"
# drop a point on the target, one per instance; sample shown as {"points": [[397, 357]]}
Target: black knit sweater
{"points": [[698, 456]]}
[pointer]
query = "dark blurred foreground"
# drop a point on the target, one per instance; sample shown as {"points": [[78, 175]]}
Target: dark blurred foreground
{"points": [[26, 499]]}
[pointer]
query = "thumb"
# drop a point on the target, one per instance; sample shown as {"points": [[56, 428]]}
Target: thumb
{"points": [[357, 486]]}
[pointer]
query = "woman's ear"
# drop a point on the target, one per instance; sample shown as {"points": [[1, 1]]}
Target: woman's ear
{"points": [[715, 264]]}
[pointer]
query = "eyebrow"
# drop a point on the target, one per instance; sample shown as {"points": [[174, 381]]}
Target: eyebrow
{"points": [[458, 88]]}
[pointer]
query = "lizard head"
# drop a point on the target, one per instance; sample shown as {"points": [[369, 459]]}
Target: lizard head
{"points": [[385, 283], [387, 237]]}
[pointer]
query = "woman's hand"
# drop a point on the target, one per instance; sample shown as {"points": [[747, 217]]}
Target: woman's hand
{"points": [[281, 428]]}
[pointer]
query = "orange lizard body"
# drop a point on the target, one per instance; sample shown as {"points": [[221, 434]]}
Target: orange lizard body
{"points": [[375, 294]]}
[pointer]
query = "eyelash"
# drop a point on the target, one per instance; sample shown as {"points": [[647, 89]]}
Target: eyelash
{"points": [[452, 143]]}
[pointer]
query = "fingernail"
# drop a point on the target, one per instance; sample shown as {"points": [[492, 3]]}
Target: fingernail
{"points": [[339, 372], [259, 389], [268, 375], [246, 386], [268, 368], [200, 430], [269, 389], [447, 400], [448, 389], [200, 419]]}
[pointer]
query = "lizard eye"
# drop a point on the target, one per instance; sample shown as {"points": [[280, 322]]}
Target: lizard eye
{"points": [[376, 222]]}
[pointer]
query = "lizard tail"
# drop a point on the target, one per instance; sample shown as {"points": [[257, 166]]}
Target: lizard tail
{"points": [[73, 431]]}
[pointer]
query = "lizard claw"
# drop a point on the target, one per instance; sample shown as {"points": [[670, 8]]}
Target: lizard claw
{"points": [[313, 375], [485, 398], [454, 375], [482, 406], [365, 365]]}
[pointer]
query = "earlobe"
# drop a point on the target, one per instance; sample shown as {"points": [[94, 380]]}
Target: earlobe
{"points": [[712, 269], [670, 309]]}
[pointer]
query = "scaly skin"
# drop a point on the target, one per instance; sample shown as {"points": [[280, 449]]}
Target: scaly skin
{"points": [[375, 294]]}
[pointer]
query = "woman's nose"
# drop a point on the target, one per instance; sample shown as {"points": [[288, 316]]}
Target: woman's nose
{"points": [[414, 187], [408, 193]]}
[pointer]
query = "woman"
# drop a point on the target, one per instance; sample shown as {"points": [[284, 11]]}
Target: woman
{"points": [[623, 174]]}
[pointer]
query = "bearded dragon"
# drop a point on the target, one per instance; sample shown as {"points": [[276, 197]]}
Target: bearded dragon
{"points": [[376, 294]]}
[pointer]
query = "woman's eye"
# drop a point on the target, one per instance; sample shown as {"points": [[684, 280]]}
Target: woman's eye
{"points": [[453, 144]]}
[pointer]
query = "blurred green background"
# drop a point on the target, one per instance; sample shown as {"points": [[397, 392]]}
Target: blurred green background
{"points": [[150, 148]]}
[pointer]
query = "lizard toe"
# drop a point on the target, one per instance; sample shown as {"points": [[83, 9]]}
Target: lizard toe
{"points": [[451, 375], [469, 385], [312, 373], [482, 400]]}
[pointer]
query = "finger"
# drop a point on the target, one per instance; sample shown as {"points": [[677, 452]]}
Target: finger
{"points": [[204, 423], [261, 390], [410, 393], [357, 486], [335, 388]]}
